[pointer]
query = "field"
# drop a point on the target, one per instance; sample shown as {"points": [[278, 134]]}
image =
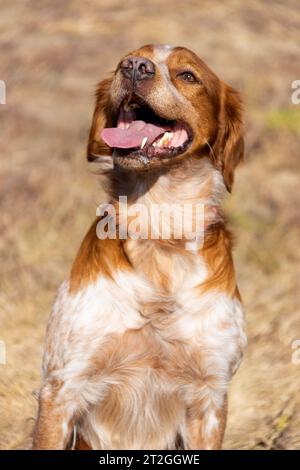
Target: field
{"points": [[52, 55]]}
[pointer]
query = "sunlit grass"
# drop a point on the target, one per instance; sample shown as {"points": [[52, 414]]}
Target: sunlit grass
{"points": [[286, 119]]}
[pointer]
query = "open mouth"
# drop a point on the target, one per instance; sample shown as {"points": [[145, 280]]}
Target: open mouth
{"points": [[141, 133]]}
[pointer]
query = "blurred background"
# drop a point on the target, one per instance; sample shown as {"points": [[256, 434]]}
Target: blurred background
{"points": [[52, 55]]}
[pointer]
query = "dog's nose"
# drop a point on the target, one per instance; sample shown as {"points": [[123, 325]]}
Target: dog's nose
{"points": [[137, 68]]}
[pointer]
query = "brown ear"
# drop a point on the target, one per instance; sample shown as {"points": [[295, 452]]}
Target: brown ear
{"points": [[228, 149], [101, 119]]}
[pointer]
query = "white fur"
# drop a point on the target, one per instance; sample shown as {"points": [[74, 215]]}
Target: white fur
{"points": [[103, 308], [161, 52], [160, 55], [168, 187], [211, 423]]}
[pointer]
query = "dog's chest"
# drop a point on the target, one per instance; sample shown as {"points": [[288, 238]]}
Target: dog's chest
{"points": [[82, 325], [129, 345]]}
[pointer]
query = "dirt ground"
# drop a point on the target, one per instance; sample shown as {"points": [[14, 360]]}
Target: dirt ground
{"points": [[52, 55]]}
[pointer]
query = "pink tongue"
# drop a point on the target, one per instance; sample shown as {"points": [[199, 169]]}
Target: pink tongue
{"points": [[133, 136]]}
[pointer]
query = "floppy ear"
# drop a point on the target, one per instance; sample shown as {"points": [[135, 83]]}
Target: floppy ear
{"points": [[101, 118], [228, 149]]}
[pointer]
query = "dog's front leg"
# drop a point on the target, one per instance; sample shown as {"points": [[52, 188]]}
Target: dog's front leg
{"points": [[53, 426], [205, 426]]}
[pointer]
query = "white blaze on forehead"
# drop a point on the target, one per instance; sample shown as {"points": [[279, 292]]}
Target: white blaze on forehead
{"points": [[160, 55], [161, 52]]}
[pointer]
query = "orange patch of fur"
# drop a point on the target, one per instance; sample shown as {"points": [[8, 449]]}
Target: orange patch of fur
{"points": [[96, 257], [217, 254]]}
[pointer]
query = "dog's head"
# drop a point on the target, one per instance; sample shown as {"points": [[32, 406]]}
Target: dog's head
{"points": [[163, 104]]}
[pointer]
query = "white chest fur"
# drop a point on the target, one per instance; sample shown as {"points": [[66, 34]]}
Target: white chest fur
{"points": [[81, 322]]}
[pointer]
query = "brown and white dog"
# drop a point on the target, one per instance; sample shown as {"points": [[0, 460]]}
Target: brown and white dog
{"points": [[146, 334]]}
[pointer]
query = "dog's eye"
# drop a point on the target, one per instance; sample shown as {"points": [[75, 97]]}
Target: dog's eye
{"points": [[187, 77]]}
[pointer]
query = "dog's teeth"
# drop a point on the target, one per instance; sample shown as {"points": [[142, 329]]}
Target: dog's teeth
{"points": [[165, 139], [168, 137], [154, 144], [144, 142], [161, 141]]}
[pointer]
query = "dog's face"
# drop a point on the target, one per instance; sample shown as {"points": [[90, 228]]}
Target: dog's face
{"points": [[163, 104]]}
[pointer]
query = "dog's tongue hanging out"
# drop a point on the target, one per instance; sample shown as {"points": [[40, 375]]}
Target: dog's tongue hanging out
{"points": [[130, 131], [137, 134]]}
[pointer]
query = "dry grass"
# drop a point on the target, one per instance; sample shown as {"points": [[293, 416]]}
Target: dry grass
{"points": [[52, 55]]}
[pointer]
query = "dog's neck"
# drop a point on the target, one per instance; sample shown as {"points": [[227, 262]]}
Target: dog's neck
{"points": [[193, 180], [194, 185]]}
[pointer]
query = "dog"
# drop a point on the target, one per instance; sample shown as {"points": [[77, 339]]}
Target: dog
{"points": [[145, 335]]}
